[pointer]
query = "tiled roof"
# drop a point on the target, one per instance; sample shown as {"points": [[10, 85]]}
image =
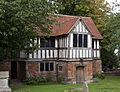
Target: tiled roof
{"points": [[92, 28], [67, 22]]}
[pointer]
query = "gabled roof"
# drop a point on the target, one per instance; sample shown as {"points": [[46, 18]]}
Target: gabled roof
{"points": [[67, 23]]}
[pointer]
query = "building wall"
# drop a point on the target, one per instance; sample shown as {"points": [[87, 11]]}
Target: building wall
{"points": [[5, 66], [68, 70], [98, 66], [33, 70]]}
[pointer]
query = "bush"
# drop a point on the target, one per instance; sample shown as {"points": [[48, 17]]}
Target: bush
{"points": [[36, 80], [99, 76], [61, 79]]}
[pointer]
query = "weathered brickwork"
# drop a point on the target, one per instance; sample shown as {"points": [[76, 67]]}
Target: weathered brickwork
{"points": [[5, 66], [98, 66], [64, 72], [33, 70], [69, 69]]}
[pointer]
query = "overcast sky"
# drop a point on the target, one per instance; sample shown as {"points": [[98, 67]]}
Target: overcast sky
{"points": [[115, 1]]}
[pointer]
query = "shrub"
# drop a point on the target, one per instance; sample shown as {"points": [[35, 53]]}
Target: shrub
{"points": [[61, 79], [99, 75], [36, 80]]}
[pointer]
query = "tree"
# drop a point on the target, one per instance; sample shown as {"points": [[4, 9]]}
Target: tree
{"points": [[112, 35], [111, 42], [97, 9], [18, 22]]}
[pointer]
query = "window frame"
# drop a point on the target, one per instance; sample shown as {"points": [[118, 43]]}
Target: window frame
{"points": [[61, 68], [49, 67], [82, 41], [47, 42]]}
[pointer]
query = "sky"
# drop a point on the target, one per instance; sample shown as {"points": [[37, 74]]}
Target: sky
{"points": [[111, 3]]}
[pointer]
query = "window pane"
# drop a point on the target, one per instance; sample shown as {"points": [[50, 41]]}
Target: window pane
{"points": [[46, 66], [93, 44], [60, 68], [42, 43], [41, 66], [51, 66], [47, 42], [85, 40], [80, 40], [52, 41], [74, 40]]}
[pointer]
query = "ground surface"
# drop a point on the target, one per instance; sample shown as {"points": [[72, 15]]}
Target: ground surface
{"points": [[109, 84]]}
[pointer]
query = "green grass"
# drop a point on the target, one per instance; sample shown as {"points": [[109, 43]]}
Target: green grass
{"points": [[109, 84]]}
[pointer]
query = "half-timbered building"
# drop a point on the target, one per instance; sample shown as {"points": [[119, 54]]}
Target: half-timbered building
{"points": [[72, 51]]}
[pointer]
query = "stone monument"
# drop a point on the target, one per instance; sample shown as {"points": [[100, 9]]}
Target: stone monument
{"points": [[4, 76]]}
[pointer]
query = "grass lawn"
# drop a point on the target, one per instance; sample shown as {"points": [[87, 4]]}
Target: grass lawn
{"points": [[109, 84]]}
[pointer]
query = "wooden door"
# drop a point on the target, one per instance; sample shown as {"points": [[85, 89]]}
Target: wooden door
{"points": [[21, 70], [80, 74]]}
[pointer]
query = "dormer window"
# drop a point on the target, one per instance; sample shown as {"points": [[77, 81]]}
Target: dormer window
{"points": [[80, 40]]}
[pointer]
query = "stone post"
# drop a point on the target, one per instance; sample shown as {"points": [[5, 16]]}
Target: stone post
{"points": [[85, 87], [4, 76]]}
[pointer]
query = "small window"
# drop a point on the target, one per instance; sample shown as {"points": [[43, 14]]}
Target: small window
{"points": [[74, 40], [80, 40], [51, 66], [52, 42], [41, 66], [46, 66], [85, 41], [60, 68], [93, 44]]}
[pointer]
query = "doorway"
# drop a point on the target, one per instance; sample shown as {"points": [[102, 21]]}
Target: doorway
{"points": [[13, 69], [21, 70], [80, 74]]}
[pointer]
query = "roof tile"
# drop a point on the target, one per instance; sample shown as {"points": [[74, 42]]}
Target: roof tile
{"points": [[67, 22]]}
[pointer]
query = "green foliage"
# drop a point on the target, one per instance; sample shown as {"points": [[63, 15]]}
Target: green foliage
{"points": [[61, 79], [97, 9], [99, 76], [109, 84], [112, 35], [109, 59], [18, 22], [111, 42], [36, 80]]}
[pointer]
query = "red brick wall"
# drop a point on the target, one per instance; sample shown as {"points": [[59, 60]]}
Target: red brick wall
{"points": [[89, 68], [64, 72], [97, 66], [5, 66], [68, 69], [71, 69], [32, 70]]}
